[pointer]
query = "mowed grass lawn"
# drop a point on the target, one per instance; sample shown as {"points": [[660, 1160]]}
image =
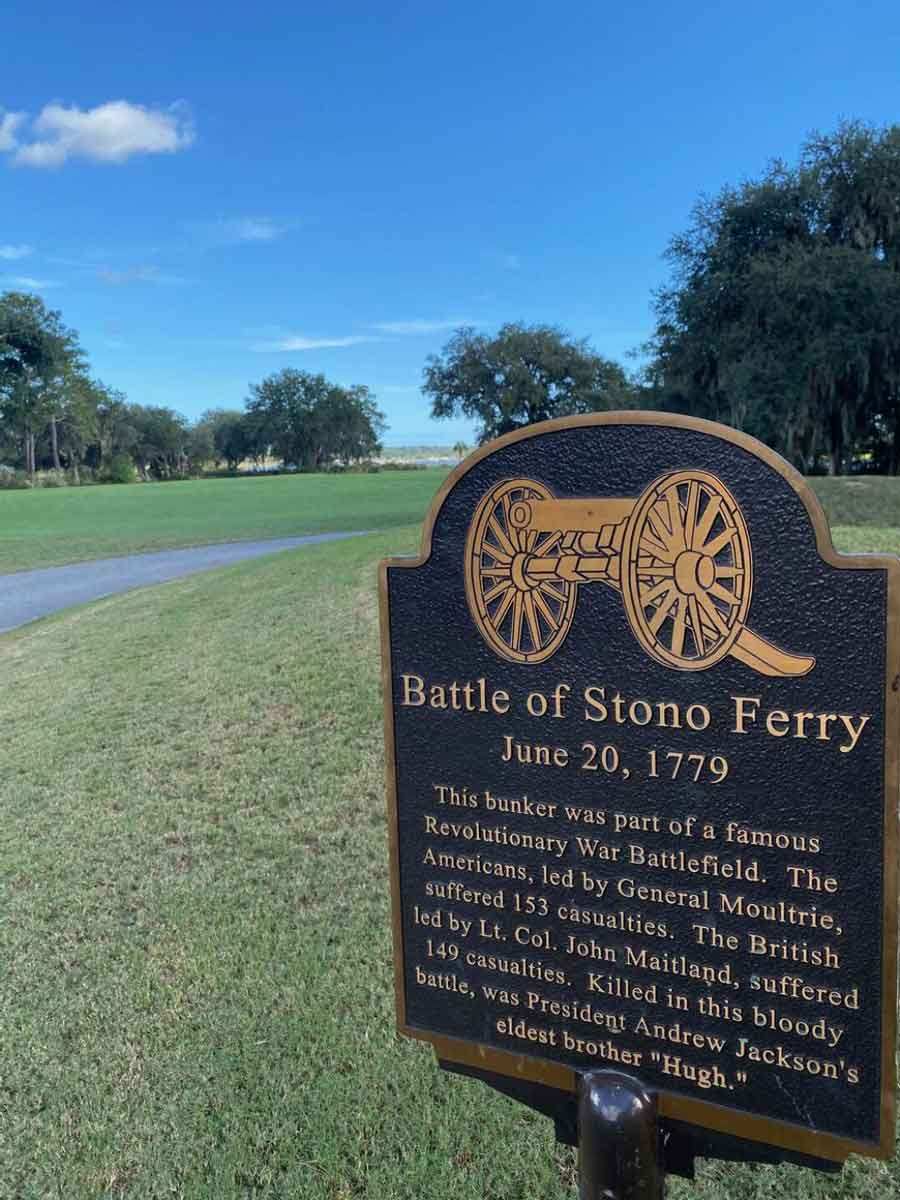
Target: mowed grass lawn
{"points": [[863, 511], [196, 986], [46, 527]]}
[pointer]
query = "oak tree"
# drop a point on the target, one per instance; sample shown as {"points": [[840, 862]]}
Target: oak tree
{"points": [[523, 374]]}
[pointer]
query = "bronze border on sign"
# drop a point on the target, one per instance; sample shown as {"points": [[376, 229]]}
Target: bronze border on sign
{"points": [[684, 1108]]}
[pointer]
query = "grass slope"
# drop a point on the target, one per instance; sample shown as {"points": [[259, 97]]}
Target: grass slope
{"points": [[196, 992], [50, 526]]}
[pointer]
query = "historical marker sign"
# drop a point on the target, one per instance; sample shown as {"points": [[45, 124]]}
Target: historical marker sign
{"points": [[643, 777]]}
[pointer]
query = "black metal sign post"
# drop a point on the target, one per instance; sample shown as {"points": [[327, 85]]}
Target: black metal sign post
{"points": [[641, 728], [675, 1144], [618, 1139]]}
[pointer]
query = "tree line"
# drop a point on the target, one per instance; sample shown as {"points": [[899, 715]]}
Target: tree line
{"points": [[782, 319], [55, 417]]}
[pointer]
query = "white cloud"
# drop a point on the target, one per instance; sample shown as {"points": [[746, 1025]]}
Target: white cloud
{"points": [[298, 342], [110, 133], [251, 229], [277, 341], [29, 283], [136, 275], [9, 124], [414, 327], [10, 252]]}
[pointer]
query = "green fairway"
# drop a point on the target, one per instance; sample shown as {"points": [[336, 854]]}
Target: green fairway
{"points": [[854, 500], [45, 527], [864, 512], [196, 993]]}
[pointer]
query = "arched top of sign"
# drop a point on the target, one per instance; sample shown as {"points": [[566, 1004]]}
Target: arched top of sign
{"points": [[736, 437], [679, 553]]}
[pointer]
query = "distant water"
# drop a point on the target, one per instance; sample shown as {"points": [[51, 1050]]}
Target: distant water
{"points": [[449, 460]]}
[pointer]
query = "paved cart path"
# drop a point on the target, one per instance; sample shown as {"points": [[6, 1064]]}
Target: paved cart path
{"points": [[27, 595]]}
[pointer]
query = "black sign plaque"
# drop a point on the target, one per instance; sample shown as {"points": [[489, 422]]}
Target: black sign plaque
{"points": [[641, 724]]}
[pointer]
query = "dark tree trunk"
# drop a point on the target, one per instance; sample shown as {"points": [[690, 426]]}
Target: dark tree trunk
{"points": [[814, 446], [894, 455], [836, 431], [54, 442]]}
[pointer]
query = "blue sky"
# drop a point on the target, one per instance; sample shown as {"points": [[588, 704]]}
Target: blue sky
{"points": [[210, 193]]}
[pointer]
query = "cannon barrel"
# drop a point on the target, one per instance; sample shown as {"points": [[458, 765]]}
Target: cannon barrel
{"points": [[574, 568], [574, 516]]}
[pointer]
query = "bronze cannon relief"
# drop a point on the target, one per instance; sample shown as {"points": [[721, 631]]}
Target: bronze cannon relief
{"points": [[679, 554]]}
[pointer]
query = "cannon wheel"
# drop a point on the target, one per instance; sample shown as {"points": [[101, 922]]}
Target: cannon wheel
{"points": [[686, 570], [522, 618]]}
